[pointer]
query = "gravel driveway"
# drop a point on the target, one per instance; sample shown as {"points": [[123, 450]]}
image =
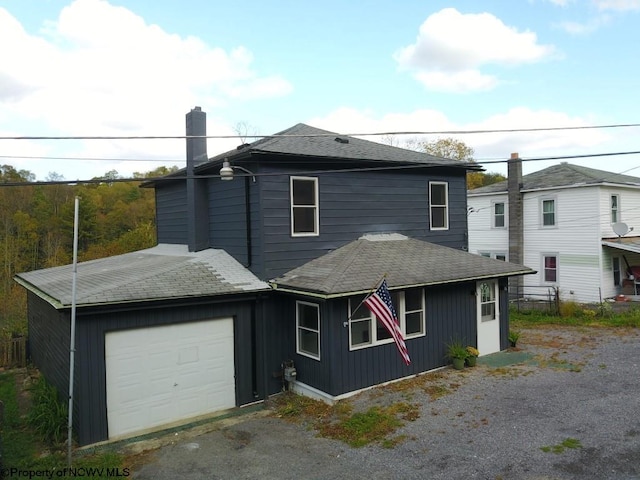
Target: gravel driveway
{"points": [[569, 408]]}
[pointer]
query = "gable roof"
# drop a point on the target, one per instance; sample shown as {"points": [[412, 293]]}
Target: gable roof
{"points": [[404, 261], [562, 175], [158, 273]]}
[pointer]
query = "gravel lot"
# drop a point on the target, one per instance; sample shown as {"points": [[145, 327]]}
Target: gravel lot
{"points": [[572, 387]]}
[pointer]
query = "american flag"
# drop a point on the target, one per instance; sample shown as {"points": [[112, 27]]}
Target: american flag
{"points": [[381, 306]]}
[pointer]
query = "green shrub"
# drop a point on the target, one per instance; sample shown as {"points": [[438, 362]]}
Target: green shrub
{"points": [[48, 415]]}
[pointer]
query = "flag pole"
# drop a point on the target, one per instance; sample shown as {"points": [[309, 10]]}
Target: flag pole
{"points": [[373, 289]]}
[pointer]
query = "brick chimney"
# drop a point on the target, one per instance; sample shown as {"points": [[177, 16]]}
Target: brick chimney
{"points": [[516, 232], [197, 197]]}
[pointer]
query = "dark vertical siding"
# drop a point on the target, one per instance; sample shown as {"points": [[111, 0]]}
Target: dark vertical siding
{"points": [[227, 220], [450, 314], [49, 341], [171, 212], [354, 204], [504, 313], [49, 337]]}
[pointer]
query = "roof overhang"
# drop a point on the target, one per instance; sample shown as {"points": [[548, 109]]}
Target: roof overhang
{"points": [[628, 244]]}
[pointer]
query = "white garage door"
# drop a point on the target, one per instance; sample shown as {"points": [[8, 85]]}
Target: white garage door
{"points": [[160, 375]]}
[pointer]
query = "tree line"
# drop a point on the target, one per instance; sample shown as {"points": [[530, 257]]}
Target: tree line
{"points": [[36, 228]]}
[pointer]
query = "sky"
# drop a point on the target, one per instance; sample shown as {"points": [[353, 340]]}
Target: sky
{"points": [[72, 68]]}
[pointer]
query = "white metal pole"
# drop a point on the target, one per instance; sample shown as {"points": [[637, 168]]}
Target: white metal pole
{"points": [[72, 343]]}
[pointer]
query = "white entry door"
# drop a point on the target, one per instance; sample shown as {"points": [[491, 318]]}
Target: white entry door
{"points": [[488, 317], [159, 375]]}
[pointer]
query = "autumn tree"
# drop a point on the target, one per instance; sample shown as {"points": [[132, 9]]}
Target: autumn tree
{"points": [[458, 150]]}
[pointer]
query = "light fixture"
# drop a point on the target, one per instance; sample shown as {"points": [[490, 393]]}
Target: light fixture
{"points": [[226, 172]]}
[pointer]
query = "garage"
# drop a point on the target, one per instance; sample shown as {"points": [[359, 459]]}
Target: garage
{"points": [[163, 374]]}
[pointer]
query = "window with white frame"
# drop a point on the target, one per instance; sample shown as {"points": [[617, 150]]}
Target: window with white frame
{"points": [[366, 330], [304, 206], [548, 207], [498, 215], [497, 255], [617, 276], [439, 205], [550, 268], [615, 208], [308, 329], [488, 298]]}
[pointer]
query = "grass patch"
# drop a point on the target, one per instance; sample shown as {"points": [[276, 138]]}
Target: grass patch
{"points": [[340, 422], [568, 443], [23, 447], [571, 314]]}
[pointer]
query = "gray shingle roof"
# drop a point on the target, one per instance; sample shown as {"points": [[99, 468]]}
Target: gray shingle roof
{"points": [[161, 272], [356, 266], [304, 140], [562, 175]]}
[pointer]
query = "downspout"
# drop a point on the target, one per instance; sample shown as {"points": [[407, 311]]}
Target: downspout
{"points": [[247, 212]]}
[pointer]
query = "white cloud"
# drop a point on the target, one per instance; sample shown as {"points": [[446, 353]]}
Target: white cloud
{"points": [[617, 5], [454, 45], [103, 70], [497, 145]]}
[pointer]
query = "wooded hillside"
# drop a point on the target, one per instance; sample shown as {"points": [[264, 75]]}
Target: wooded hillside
{"points": [[36, 228]]}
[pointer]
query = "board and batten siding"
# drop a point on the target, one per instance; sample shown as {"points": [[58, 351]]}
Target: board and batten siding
{"points": [[171, 213], [450, 313], [483, 235], [351, 205], [49, 337]]}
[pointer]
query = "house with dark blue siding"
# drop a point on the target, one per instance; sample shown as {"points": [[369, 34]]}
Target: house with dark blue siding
{"points": [[265, 255]]}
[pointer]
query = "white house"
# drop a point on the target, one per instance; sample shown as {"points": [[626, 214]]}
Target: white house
{"points": [[578, 227]]}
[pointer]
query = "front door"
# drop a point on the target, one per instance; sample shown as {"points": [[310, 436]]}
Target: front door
{"points": [[488, 317]]}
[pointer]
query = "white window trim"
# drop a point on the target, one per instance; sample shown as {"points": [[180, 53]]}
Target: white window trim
{"points": [[298, 327], [494, 254], [446, 206], [617, 209], [555, 212], [316, 220], [400, 310], [493, 215], [493, 284], [542, 270]]}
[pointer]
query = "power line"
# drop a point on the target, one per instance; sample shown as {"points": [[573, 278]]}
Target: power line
{"points": [[329, 134], [306, 172]]}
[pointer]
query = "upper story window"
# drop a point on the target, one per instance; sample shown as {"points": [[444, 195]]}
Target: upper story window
{"points": [[548, 213], [304, 206], [439, 205], [365, 330], [308, 329], [498, 215], [615, 208]]}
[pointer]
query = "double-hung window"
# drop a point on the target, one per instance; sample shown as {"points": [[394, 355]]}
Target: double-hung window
{"points": [[304, 206], [308, 329], [365, 330], [550, 268], [548, 212], [498, 215], [615, 208], [439, 205]]}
